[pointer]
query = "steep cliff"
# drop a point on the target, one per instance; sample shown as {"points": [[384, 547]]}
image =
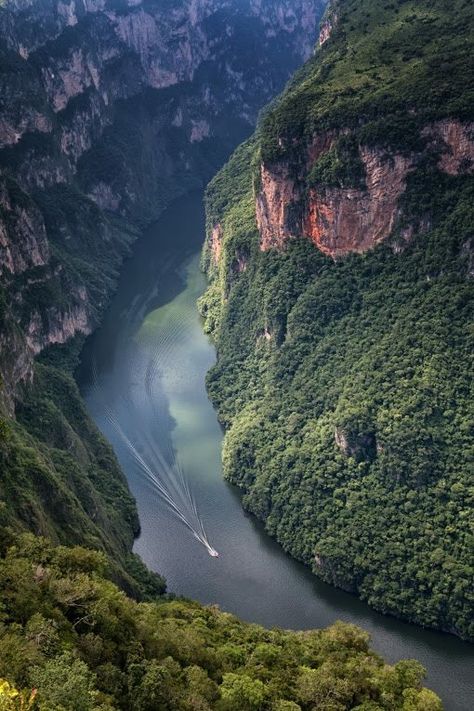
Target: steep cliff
{"points": [[124, 106], [347, 196], [344, 372], [108, 111]]}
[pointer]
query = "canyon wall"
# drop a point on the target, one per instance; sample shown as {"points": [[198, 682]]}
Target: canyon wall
{"points": [[340, 218], [344, 370], [110, 110]]}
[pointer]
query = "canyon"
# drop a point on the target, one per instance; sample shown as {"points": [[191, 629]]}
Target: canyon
{"points": [[337, 318], [108, 112]]}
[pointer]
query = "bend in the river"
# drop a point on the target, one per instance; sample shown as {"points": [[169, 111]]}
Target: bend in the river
{"points": [[148, 396]]}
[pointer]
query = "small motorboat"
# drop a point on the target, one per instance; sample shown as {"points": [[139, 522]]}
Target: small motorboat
{"points": [[213, 553]]}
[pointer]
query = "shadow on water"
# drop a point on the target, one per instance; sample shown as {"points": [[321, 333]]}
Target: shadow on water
{"points": [[153, 318]]}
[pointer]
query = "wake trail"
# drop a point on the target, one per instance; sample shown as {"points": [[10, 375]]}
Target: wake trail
{"points": [[165, 475]]}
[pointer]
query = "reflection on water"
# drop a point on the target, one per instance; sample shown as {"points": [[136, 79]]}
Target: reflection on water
{"points": [[136, 417], [152, 357]]}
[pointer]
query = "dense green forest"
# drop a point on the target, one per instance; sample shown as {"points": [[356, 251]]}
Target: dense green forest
{"points": [[345, 386], [61, 478], [70, 640]]}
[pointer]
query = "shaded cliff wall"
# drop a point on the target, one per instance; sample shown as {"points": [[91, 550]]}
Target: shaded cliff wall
{"points": [[109, 110]]}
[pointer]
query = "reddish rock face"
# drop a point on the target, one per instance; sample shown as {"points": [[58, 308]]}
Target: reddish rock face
{"points": [[337, 220], [321, 144], [344, 220], [340, 220], [456, 141], [215, 243], [277, 195]]}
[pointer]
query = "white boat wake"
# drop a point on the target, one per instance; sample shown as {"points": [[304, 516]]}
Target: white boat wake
{"points": [[162, 470]]}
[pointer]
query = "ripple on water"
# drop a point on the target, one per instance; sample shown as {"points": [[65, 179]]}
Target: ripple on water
{"points": [[151, 349]]}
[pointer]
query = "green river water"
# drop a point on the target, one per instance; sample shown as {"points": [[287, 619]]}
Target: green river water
{"points": [[149, 399]]}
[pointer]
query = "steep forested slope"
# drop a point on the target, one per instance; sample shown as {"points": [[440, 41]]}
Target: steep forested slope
{"points": [[71, 635], [108, 110], [340, 257]]}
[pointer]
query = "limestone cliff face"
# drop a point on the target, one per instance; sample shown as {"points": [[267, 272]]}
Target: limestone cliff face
{"points": [[64, 50], [329, 22], [57, 325], [216, 243], [278, 194], [21, 217], [455, 142], [343, 219], [111, 106]]}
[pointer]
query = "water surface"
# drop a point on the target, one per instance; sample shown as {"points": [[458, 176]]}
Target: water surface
{"points": [[151, 358]]}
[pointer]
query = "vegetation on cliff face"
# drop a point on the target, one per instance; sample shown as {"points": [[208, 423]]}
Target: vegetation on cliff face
{"points": [[346, 386], [70, 640], [73, 636], [79, 176], [387, 70], [61, 479], [108, 112]]}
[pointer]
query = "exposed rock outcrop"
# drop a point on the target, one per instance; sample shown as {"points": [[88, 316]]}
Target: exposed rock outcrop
{"points": [[57, 325], [328, 23], [275, 200], [455, 142], [113, 104], [343, 220], [21, 218], [360, 446], [215, 243], [340, 219]]}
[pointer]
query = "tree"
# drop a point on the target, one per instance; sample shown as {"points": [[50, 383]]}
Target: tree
{"points": [[242, 693], [65, 682], [13, 700]]}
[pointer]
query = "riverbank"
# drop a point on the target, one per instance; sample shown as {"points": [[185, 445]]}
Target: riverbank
{"points": [[253, 577]]}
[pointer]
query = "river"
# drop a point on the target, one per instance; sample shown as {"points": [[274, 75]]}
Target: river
{"points": [[143, 381]]}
